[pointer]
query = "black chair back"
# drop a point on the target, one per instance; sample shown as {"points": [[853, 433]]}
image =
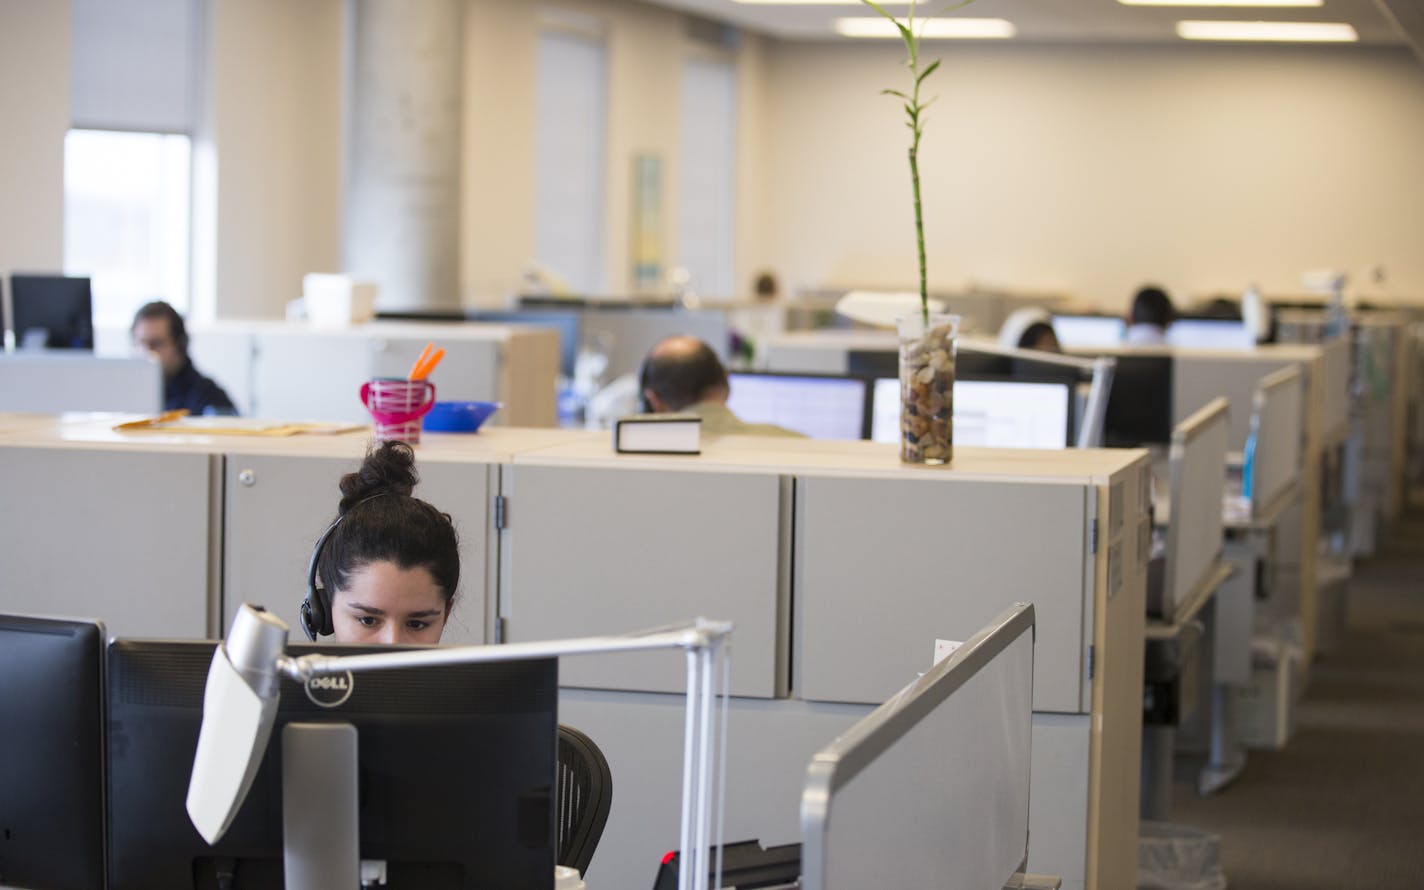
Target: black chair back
{"points": [[584, 793]]}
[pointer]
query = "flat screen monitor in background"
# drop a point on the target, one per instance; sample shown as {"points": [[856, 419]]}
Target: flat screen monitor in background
{"points": [[456, 771], [990, 413], [968, 360], [820, 407], [1089, 330], [1139, 409], [51, 753], [567, 322], [51, 312], [1210, 333]]}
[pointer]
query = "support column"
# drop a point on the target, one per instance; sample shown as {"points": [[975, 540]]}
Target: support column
{"points": [[402, 185]]}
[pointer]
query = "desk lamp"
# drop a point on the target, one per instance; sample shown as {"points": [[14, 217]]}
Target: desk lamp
{"points": [[240, 708]]}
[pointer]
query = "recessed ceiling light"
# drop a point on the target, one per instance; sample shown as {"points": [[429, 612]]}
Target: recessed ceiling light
{"points": [[1323, 32], [1196, 2], [930, 29], [819, 2]]}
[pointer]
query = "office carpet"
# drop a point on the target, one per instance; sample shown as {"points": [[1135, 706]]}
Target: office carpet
{"points": [[1341, 807]]}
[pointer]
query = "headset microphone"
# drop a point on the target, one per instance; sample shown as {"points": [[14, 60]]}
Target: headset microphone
{"points": [[315, 610]]}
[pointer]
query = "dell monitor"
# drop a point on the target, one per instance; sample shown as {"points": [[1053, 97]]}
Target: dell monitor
{"points": [[51, 753], [819, 406], [51, 312], [455, 778]]}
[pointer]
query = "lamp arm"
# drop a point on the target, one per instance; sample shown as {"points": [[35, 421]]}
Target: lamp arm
{"points": [[695, 636]]}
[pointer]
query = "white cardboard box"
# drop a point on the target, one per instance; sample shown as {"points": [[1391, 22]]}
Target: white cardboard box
{"points": [[1264, 710], [337, 300]]}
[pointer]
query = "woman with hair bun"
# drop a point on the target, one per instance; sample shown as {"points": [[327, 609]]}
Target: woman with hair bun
{"points": [[386, 570]]}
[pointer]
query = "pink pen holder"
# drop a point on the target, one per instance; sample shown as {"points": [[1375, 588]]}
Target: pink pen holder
{"points": [[397, 407]]}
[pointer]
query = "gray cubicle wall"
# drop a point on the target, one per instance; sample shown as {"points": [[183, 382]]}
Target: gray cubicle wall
{"points": [[606, 550], [127, 537], [908, 562], [276, 506], [70, 380]]}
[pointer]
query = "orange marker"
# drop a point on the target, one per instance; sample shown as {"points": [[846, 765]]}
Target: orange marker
{"points": [[423, 371], [420, 360]]}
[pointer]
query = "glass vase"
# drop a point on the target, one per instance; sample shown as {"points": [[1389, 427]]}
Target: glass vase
{"points": [[927, 388]]}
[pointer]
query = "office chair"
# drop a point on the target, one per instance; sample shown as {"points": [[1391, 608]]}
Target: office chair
{"points": [[583, 795]]}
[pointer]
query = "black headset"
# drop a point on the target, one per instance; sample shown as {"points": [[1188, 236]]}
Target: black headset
{"points": [[316, 608]]}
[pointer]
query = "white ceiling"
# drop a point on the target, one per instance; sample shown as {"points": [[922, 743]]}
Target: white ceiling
{"points": [[1054, 21]]}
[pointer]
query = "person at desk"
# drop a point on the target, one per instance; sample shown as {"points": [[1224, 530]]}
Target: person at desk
{"points": [[389, 565], [1029, 328], [158, 330], [1152, 312], [682, 374]]}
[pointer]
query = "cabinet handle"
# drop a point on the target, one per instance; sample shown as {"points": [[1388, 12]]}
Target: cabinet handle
{"points": [[247, 478]]}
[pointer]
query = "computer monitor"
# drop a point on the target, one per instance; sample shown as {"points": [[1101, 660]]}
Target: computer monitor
{"points": [[51, 753], [1210, 333], [568, 323], [996, 413], [820, 406], [1089, 330], [51, 312], [1139, 409], [456, 771]]}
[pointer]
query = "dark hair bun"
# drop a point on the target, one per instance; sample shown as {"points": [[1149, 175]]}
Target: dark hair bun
{"points": [[389, 468]]}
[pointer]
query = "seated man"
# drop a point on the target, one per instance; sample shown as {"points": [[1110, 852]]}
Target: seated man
{"points": [[158, 330], [683, 374], [1152, 312]]}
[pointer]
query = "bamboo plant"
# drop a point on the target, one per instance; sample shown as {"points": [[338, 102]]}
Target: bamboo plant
{"points": [[915, 111]]}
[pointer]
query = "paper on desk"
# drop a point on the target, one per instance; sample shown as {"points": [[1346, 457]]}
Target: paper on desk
{"points": [[182, 422]]}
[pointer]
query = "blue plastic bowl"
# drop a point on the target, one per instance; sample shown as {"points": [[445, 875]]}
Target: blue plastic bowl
{"points": [[458, 417]]}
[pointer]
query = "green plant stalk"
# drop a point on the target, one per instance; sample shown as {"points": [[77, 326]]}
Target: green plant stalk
{"points": [[919, 216], [913, 109]]}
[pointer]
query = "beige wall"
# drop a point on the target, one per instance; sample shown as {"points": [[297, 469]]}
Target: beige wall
{"points": [[1074, 170], [276, 118], [646, 48], [1088, 171], [34, 105]]}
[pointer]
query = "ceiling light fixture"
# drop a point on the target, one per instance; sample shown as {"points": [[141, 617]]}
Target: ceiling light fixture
{"points": [[1317, 32], [818, 2], [929, 29], [1274, 3]]}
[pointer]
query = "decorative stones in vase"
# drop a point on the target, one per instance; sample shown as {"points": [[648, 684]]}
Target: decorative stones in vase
{"points": [[927, 388]]}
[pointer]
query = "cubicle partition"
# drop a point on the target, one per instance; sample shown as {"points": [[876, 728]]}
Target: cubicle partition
{"points": [[127, 533], [885, 806], [1197, 473], [71, 380], [839, 566], [305, 372]]}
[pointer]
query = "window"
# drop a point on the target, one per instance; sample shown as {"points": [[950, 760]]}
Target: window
{"points": [[126, 219], [569, 165], [709, 116]]}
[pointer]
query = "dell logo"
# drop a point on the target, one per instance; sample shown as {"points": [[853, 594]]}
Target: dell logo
{"points": [[330, 691]]}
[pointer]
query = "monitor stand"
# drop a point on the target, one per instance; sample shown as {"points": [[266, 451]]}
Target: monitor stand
{"points": [[320, 829]]}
